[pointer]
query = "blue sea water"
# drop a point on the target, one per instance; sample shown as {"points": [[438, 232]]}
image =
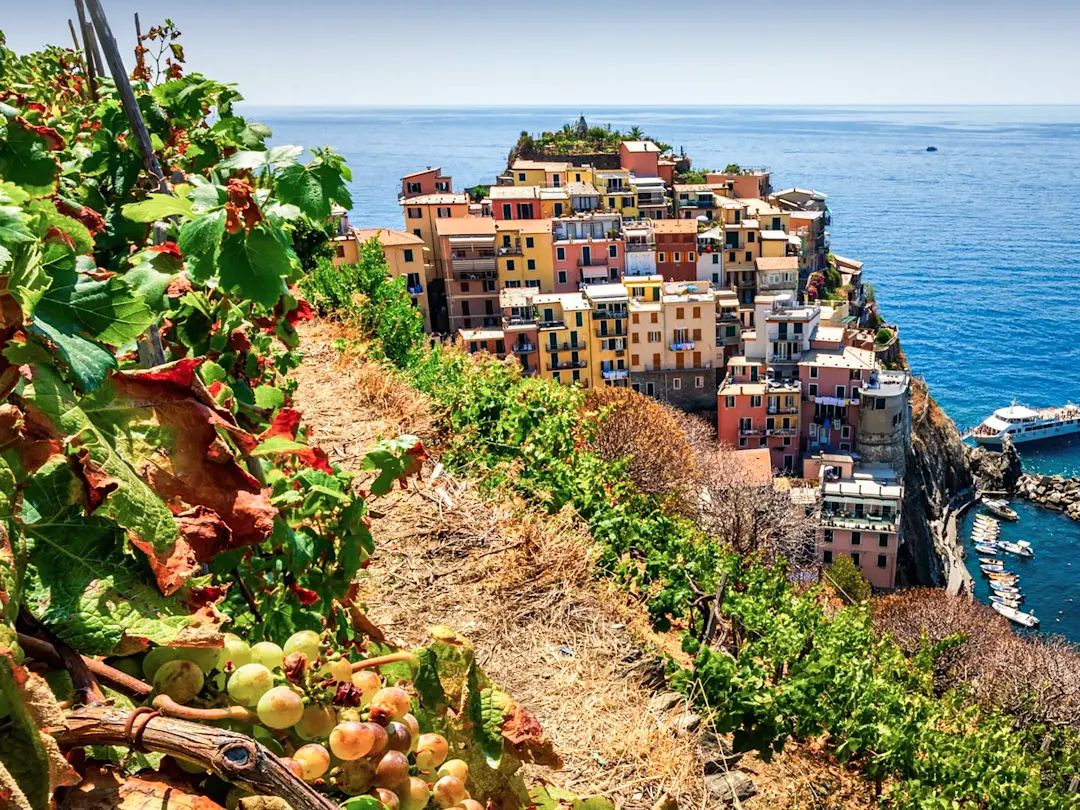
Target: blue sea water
{"points": [[974, 250]]}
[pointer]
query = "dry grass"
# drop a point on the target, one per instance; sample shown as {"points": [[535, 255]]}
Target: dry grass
{"points": [[520, 587]]}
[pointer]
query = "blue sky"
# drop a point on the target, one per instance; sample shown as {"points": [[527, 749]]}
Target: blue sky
{"points": [[449, 52]]}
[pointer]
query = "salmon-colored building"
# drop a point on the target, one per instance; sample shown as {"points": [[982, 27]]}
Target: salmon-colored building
{"points": [[642, 158], [429, 181], [588, 249], [515, 202], [468, 247], [676, 249], [747, 183]]}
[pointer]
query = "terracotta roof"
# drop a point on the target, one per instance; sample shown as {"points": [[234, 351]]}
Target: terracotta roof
{"points": [[524, 225], [514, 192], [582, 190], [853, 264], [546, 165], [466, 226], [640, 146], [776, 263], [387, 237], [756, 465], [675, 226], [435, 169]]}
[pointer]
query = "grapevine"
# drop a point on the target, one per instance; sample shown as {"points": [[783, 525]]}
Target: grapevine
{"points": [[174, 517]]}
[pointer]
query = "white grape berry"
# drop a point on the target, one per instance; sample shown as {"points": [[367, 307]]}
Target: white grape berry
{"points": [[314, 760], [249, 683], [368, 683], [280, 707], [351, 740], [304, 641], [267, 653], [431, 751], [455, 767], [180, 679], [414, 794], [449, 791], [234, 653], [392, 770], [390, 703], [316, 723]]}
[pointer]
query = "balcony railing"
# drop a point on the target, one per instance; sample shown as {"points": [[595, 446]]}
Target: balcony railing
{"points": [[780, 431], [512, 250], [640, 247], [864, 523], [696, 203], [522, 348], [566, 365], [473, 262], [610, 313], [519, 320], [602, 333], [685, 346], [644, 200], [594, 261], [793, 337], [552, 324], [615, 373], [793, 357], [564, 347], [782, 409], [415, 289], [474, 275], [752, 431]]}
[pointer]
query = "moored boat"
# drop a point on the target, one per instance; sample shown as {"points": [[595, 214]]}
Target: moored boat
{"points": [[1022, 424], [1008, 591], [1021, 548], [992, 569], [1001, 509], [1004, 600], [985, 548], [1015, 615], [989, 561]]}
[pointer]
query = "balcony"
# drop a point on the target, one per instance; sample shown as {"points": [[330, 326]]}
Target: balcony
{"points": [[869, 523], [615, 373], [782, 409], [603, 333], [610, 313], [791, 337], [685, 346], [727, 317], [649, 200], [696, 203], [564, 347], [791, 357], [510, 251], [522, 348], [640, 247], [736, 246], [519, 320], [751, 431], [473, 263], [552, 324], [466, 274], [594, 261], [566, 365], [781, 431], [415, 289]]}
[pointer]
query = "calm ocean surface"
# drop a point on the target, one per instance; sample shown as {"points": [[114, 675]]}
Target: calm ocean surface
{"points": [[974, 250]]}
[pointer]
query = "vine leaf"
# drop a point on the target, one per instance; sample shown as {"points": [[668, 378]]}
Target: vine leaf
{"points": [[254, 265], [102, 309], [313, 188], [486, 710], [104, 787], [158, 206], [87, 361], [26, 158]]}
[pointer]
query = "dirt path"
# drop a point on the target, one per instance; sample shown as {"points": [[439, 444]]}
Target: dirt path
{"points": [[520, 588]]}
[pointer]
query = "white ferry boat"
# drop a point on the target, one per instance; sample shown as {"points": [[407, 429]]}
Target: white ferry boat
{"points": [[1026, 425]]}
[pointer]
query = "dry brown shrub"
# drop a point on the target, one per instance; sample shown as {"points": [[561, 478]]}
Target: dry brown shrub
{"points": [[1035, 679], [648, 434]]}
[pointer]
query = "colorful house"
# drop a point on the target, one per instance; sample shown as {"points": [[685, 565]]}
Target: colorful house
{"points": [[588, 249], [407, 257], [429, 181], [423, 213], [525, 254], [469, 254], [547, 174], [641, 158], [515, 202], [676, 249]]}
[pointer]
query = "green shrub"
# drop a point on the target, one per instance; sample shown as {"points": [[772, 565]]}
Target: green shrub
{"points": [[883, 336], [848, 580]]}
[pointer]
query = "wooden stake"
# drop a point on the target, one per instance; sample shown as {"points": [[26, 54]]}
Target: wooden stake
{"points": [[91, 71]]}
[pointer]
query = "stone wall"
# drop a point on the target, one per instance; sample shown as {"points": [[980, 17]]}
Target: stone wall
{"points": [[1052, 492], [687, 397]]}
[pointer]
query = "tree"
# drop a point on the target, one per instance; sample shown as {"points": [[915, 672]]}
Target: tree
{"points": [[312, 241], [849, 582], [733, 168]]}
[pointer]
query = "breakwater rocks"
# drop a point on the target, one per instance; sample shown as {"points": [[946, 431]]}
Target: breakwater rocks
{"points": [[1052, 492], [995, 471]]}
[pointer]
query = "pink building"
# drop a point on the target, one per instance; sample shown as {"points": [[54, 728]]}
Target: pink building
{"points": [[428, 181], [588, 249], [753, 183], [642, 158], [833, 379], [860, 515], [756, 412], [515, 202]]}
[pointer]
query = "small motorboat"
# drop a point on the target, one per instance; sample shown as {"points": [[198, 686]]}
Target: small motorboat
{"points": [[1006, 590], [1014, 615], [1005, 600], [1004, 579], [993, 569], [931, 149], [1021, 548], [989, 537], [1001, 509], [985, 548], [989, 561]]}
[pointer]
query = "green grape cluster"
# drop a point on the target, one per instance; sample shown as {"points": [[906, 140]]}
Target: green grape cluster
{"points": [[368, 742]]}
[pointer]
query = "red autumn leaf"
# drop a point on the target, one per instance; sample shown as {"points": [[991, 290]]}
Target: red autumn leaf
{"points": [[170, 248], [54, 234], [286, 422], [93, 221], [179, 286], [106, 787], [523, 732], [215, 388], [54, 142], [304, 595], [316, 457], [204, 531], [302, 312]]}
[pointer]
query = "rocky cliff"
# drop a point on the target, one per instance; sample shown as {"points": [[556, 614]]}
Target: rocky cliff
{"points": [[937, 472], [993, 471]]}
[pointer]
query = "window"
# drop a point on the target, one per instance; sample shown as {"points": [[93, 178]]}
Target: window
{"points": [[530, 242], [634, 338], [679, 313], [882, 561], [661, 257], [560, 254], [634, 318], [855, 375], [530, 264], [690, 256], [654, 318], [416, 231], [465, 289], [677, 257], [442, 186], [555, 377], [826, 556], [776, 224], [627, 202], [755, 401], [654, 337], [636, 387], [562, 276], [340, 250], [813, 372], [697, 314], [749, 256], [578, 319], [533, 282], [524, 211], [521, 176], [473, 347], [855, 558], [577, 376], [750, 236], [742, 441], [556, 180], [407, 254], [577, 177], [443, 213], [883, 540], [507, 210], [655, 362], [841, 392], [611, 202], [612, 251], [812, 391], [414, 213], [509, 264], [798, 331], [676, 384], [827, 537], [845, 432], [500, 348], [558, 209], [729, 402], [879, 403], [856, 538], [699, 382], [413, 188], [512, 284], [635, 359], [731, 256]]}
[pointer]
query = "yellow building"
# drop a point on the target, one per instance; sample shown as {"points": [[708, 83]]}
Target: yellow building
{"points": [[422, 215], [525, 255], [554, 202], [616, 192], [406, 255], [548, 174], [564, 322], [608, 306], [770, 216]]}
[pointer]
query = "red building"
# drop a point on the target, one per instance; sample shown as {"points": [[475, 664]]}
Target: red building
{"points": [[676, 249]]}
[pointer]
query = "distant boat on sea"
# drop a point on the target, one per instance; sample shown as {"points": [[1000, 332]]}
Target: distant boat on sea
{"points": [[931, 149], [1022, 424]]}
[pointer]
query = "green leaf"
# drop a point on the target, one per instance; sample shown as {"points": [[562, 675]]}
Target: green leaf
{"points": [[26, 161], [485, 710], [277, 157], [313, 188], [88, 362], [279, 444], [361, 803], [78, 579], [107, 310], [158, 206], [254, 266], [269, 398], [150, 279], [427, 682], [212, 372]]}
